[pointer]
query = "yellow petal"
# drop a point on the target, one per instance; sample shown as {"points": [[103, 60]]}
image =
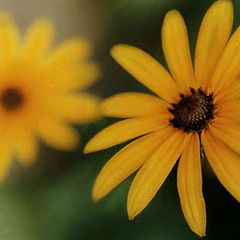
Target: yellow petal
{"points": [[5, 160], [175, 46], [227, 131], [146, 70], [189, 183], [153, 173], [125, 130], [79, 108], [9, 37], [124, 105], [229, 110], [212, 38], [26, 147], [38, 39], [224, 162], [127, 161], [71, 76], [227, 69], [57, 134], [70, 51]]}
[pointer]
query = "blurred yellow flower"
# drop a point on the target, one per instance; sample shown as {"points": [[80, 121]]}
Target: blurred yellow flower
{"points": [[195, 103], [39, 91]]}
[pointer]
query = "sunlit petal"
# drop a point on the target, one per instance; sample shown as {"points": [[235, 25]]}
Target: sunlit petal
{"points": [[227, 69], [175, 46], [124, 105], [146, 70], [212, 38]]}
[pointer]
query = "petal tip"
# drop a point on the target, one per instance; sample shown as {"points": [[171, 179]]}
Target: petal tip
{"points": [[86, 149], [95, 198], [131, 216], [118, 48], [172, 13]]}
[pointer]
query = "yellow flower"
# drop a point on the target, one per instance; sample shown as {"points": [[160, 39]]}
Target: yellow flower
{"points": [[38, 91], [194, 105]]}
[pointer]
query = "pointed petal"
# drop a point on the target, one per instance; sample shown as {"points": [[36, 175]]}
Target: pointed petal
{"points": [[189, 183], [224, 162], [57, 134], [227, 131], [125, 130], [9, 37], [38, 39], [175, 46], [146, 70], [26, 148], [153, 173], [213, 35], [227, 68], [124, 105], [127, 161]]}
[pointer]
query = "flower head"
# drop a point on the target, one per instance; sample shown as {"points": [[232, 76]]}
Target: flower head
{"points": [[194, 106], [39, 91]]}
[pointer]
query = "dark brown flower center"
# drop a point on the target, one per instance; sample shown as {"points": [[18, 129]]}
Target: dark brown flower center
{"points": [[11, 99], [193, 112]]}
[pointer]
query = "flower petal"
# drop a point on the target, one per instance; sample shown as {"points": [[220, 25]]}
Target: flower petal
{"points": [[9, 37], [229, 110], [224, 162], [38, 39], [189, 182], [6, 160], [227, 69], [146, 70], [26, 147], [154, 172], [124, 130], [227, 131], [127, 161], [57, 134], [213, 35], [131, 104], [70, 51], [175, 46], [79, 108]]}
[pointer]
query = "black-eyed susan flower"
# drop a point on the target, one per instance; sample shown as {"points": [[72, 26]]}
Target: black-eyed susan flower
{"points": [[39, 91], [194, 106]]}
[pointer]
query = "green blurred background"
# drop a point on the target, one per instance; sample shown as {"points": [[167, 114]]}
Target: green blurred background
{"points": [[52, 199]]}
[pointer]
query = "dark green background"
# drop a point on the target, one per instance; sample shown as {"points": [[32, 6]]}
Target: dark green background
{"points": [[52, 199]]}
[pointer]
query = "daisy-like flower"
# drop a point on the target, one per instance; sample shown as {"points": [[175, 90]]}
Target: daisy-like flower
{"points": [[194, 106], [39, 91]]}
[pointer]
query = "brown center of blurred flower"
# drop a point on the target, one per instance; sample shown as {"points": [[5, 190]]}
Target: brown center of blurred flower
{"points": [[193, 112], [11, 99]]}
